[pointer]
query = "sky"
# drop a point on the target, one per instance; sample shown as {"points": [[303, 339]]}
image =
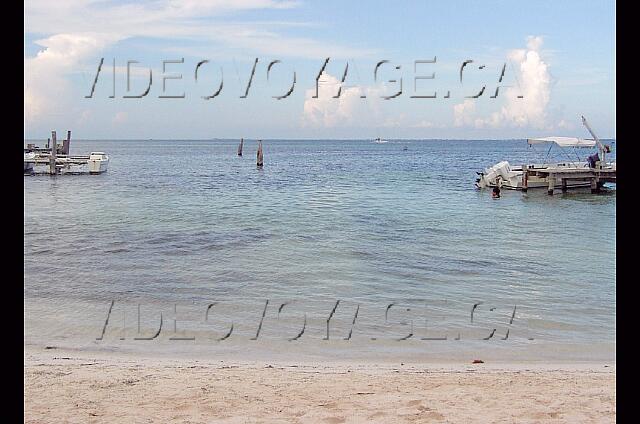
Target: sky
{"points": [[403, 70]]}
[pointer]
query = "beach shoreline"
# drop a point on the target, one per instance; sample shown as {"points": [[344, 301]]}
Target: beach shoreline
{"points": [[76, 386]]}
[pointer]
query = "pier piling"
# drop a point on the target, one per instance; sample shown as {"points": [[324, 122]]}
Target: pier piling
{"points": [[65, 144], [552, 184], [260, 158], [594, 186], [52, 156]]}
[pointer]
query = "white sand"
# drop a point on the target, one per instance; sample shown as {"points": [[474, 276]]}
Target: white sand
{"points": [[88, 388]]}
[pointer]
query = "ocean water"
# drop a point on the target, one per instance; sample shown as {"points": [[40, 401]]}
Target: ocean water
{"points": [[193, 247]]}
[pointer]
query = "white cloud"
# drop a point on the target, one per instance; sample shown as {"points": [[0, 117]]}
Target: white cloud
{"points": [[347, 110], [97, 25], [423, 124], [463, 113], [534, 43], [203, 21], [533, 84], [46, 90], [119, 118], [151, 18], [350, 110], [565, 125], [327, 111]]}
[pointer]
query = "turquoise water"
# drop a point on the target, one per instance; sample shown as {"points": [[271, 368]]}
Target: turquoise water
{"points": [[183, 224]]}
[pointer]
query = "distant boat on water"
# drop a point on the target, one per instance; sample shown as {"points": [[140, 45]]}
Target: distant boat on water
{"points": [[240, 147], [260, 158], [380, 141]]}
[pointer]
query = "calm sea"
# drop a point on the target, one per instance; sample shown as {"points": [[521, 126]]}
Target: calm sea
{"points": [[393, 234]]}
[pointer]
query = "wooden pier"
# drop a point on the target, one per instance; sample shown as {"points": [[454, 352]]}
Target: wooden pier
{"points": [[54, 158], [595, 176]]}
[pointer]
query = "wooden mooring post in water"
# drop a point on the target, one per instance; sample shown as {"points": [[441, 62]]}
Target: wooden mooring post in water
{"points": [[52, 156], [66, 143], [260, 157]]}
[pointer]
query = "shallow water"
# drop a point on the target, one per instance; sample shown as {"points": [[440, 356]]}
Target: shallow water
{"points": [[190, 223]]}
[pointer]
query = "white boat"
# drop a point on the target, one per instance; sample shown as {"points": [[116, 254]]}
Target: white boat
{"points": [[504, 175], [380, 141], [29, 160], [98, 162]]}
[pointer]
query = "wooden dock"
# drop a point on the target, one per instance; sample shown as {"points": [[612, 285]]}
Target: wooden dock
{"points": [[595, 176], [73, 160], [55, 158]]}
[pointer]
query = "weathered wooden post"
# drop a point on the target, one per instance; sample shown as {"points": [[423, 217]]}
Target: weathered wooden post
{"points": [[52, 156], [65, 144], [259, 159], [594, 185], [525, 178], [564, 184], [552, 184]]}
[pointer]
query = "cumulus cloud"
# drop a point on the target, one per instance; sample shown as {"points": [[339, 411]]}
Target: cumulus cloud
{"points": [[463, 113], [347, 110], [97, 25], [327, 111], [532, 75], [565, 125], [46, 89]]}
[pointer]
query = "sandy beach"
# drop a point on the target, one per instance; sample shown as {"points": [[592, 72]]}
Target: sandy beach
{"points": [[90, 388]]}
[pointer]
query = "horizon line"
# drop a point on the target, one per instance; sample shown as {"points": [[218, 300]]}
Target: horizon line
{"points": [[295, 139]]}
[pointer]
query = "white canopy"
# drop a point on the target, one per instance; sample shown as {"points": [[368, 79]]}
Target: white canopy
{"points": [[563, 141]]}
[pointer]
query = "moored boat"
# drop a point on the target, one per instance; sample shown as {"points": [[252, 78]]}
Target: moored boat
{"points": [[97, 162], [29, 160], [567, 174]]}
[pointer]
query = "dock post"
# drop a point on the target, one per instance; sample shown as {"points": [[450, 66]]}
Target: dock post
{"points": [[52, 156], [525, 178], [552, 184], [65, 144], [594, 186], [260, 160], [563, 181]]}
